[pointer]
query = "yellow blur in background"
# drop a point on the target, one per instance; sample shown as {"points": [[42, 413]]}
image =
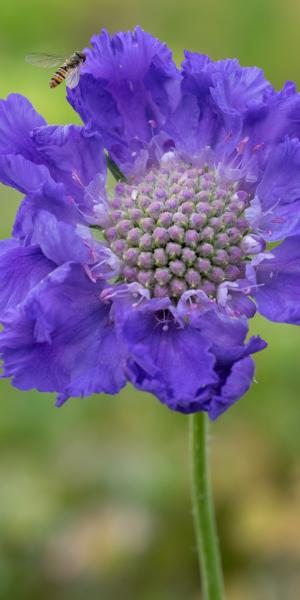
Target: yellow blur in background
{"points": [[94, 497]]}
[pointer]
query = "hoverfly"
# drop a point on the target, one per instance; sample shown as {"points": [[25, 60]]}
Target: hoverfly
{"points": [[69, 69]]}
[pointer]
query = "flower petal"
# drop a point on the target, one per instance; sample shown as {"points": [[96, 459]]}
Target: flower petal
{"points": [[235, 386], [75, 157], [237, 88], [22, 174], [20, 270], [62, 242], [268, 123], [226, 336], [278, 283], [184, 365], [169, 361], [62, 339], [17, 119], [279, 193], [215, 98], [50, 197], [129, 84], [8, 244], [31, 153]]}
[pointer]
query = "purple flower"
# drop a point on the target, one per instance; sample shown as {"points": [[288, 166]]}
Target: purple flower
{"points": [[152, 282]]}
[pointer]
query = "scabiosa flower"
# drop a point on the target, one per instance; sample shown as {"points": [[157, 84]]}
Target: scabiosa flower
{"points": [[154, 282]]}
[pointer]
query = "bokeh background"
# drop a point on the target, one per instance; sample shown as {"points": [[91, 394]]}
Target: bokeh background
{"points": [[94, 497]]}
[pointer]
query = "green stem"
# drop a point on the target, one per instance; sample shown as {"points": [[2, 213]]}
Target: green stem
{"points": [[203, 511]]}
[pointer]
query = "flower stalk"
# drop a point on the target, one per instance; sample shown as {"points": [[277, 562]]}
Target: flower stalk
{"points": [[203, 510]]}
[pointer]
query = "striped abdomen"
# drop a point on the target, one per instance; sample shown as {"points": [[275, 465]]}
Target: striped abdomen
{"points": [[59, 76]]}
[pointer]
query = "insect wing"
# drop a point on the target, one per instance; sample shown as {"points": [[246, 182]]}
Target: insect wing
{"points": [[73, 78], [44, 60]]}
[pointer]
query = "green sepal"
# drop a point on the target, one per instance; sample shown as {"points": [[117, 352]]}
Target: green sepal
{"points": [[114, 169]]}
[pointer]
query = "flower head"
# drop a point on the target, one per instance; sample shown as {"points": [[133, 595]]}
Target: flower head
{"points": [[152, 282]]}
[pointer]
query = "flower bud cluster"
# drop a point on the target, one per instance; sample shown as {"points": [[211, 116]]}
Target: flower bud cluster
{"points": [[178, 229]]}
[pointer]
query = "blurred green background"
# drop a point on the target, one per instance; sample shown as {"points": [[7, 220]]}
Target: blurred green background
{"points": [[94, 497]]}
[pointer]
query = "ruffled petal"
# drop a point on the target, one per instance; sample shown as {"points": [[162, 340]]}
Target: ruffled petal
{"points": [[163, 358], [20, 270], [236, 88], [234, 367], [185, 118], [8, 244], [129, 85], [50, 197], [62, 339], [268, 123], [74, 156], [52, 221], [276, 213], [186, 364], [22, 174], [62, 242], [226, 335], [278, 283], [236, 385], [126, 55], [233, 87], [32, 153], [17, 119], [196, 112], [215, 99]]}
